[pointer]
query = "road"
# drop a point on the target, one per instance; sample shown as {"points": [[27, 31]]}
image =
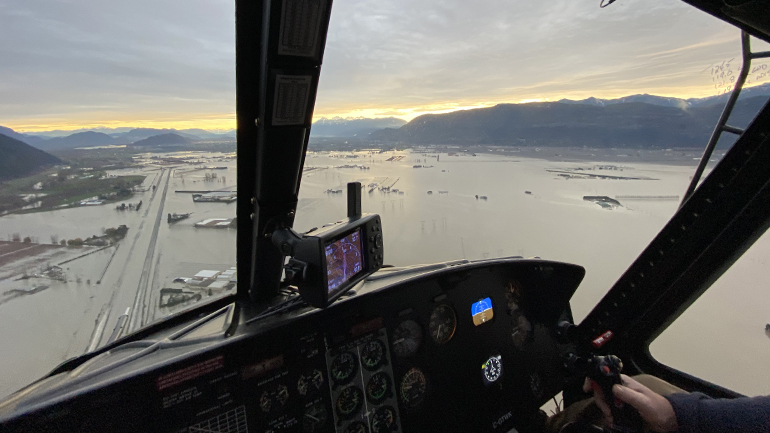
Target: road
{"points": [[115, 286], [129, 276]]}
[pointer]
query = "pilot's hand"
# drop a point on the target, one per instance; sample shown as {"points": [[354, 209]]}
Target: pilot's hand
{"points": [[654, 409]]}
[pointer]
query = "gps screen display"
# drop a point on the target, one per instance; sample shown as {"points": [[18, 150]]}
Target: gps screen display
{"points": [[344, 259]]}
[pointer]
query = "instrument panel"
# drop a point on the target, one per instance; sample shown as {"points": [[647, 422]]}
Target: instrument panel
{"points": [[465, 348]]}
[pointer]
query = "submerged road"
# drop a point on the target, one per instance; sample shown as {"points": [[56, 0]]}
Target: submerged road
{"points": [[138, 315], [129, 272]]}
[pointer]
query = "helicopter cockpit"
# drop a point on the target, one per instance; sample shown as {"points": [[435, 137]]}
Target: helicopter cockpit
{"points": [[323, 336]]}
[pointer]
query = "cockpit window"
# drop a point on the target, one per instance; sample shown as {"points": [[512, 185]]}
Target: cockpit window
{"points": [[117, 172], [729, 321], [478, 130], [556, 130]]}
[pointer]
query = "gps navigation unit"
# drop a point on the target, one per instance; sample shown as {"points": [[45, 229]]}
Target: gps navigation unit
{"points": [[327, 262]]}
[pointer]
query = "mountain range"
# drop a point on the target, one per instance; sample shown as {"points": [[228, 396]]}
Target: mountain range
{"points": [[339, 127], [635, 120], [79, 139], [20, 159], [627, 124], [667, 101], [162, 140]]}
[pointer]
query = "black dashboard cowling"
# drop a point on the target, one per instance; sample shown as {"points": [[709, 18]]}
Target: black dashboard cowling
{"points": [[405, 353]]}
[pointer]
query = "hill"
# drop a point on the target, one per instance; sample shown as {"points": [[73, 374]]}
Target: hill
{"points": [[634, 124], [137, 134], [25, 138], [163, 140], [339, 127], [80, 139], [18, 159], [666, 101]]}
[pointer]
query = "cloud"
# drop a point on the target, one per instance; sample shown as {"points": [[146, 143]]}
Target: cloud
{"points": [[87, 62]]}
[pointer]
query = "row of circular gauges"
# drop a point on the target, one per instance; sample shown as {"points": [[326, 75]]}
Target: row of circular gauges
{"points": [[345, 365], [381, 420], [276, 397], [407, 337], [412, 390]]}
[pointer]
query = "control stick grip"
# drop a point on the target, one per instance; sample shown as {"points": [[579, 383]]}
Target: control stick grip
{"points": [[605, 371]]}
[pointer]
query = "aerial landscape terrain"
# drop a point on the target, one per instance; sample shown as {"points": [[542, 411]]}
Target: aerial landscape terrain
{"points": [[107, 230]]}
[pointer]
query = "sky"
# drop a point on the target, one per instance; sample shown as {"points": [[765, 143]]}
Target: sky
{"points": [[171, 64]]}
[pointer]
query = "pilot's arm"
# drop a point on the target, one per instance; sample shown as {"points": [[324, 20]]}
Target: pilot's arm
{"points": [[685, 412], [698, 413]]}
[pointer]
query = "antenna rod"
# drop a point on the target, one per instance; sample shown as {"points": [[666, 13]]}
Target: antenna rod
{"points": [[354, 199]]}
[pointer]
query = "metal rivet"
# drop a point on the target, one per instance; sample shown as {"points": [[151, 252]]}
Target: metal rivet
{"points": [[256, 122], [290, 214]]}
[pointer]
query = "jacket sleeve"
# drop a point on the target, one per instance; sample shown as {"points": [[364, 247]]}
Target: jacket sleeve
{"points": [[697, 412]]}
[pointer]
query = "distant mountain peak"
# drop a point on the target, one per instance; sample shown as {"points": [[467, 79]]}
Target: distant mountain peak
{"points": [[352, 127], [161, 140]]}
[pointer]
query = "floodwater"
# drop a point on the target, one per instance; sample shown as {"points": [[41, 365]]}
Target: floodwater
{"points": [[552, 221]]}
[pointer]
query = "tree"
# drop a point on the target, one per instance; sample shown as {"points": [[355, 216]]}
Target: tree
{"points": [[54, 239], [28, 240], [63, 242]]}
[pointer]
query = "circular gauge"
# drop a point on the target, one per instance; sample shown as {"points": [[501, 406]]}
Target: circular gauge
{"points": [[282, 394], [356, 427], [303, 385], [384, 420], [373, 355], [443, 323], [317, 378], [344, 367], [407, 338], [349, 401], [314, 418], [492, 369], [521, 331], [265, 402], [413, 387], [310, 382], [378, 387]]}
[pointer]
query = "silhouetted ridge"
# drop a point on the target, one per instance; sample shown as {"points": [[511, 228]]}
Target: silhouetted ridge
{"points": [[80, 139], [162, 140], [18, 159], [632, 124]]}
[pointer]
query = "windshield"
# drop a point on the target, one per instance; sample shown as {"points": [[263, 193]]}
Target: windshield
{"points": [[479, 130]]}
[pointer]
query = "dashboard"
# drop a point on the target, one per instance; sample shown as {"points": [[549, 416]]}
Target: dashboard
{"points": [[466, 346]]}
